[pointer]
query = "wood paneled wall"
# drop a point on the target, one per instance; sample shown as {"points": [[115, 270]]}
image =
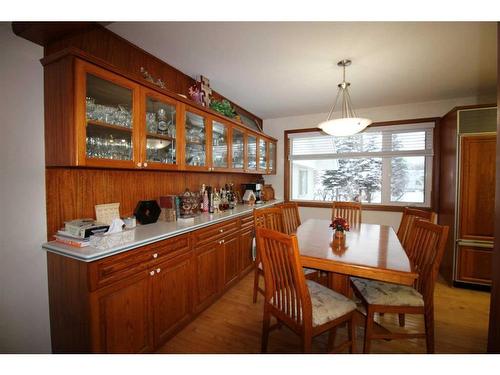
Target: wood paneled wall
{"points": [[72, 193]]}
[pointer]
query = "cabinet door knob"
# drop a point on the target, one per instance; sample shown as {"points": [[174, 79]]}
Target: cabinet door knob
{"points": [[152, 273], [145, 165], [139, 164], [221, 230], [222, 241], [158, 270], [155, 255]]}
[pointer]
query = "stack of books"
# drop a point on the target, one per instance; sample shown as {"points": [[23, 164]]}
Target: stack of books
{"points": [[69, 239]]}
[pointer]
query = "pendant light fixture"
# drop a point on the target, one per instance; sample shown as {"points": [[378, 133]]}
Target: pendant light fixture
{"points": [[348, 123]]}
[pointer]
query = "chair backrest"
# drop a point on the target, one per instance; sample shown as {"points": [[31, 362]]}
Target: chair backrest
{"points": [[351, 211], [269, 218], [291, 217], [426, 249], [407, 220], [286, 292]]}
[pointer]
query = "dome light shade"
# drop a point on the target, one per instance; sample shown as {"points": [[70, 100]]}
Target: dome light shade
{"points": [[348, 123], [344, 126]]}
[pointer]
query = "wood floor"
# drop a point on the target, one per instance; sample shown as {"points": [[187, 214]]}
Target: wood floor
{"points": [[233, 325]]}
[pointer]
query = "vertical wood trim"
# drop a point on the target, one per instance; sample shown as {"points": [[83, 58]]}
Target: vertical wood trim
{"points": [[286, 166], [494, 328]]}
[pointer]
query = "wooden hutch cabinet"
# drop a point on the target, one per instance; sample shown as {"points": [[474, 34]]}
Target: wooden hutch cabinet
{"points": [[97, 116]]}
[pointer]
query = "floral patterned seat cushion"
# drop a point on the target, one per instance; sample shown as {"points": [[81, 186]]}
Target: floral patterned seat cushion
{"points": [[381, 293], [327, 305]]}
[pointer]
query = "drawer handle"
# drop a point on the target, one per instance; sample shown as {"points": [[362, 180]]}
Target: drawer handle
{"points": [[221, 230], [155, 255], [139, 164], [221, 242], [157, 270], [145, 164], [152, 273]]}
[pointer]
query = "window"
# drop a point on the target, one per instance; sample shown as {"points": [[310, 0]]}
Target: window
{"points": [[386, 165]]}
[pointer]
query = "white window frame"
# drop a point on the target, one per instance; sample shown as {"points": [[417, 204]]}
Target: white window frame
{"points": [[386, 156]]}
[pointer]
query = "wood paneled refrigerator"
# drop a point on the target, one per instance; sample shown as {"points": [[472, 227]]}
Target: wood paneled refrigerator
{"points": [[467, 193]]}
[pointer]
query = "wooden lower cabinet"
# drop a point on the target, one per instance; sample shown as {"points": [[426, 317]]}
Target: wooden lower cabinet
{"points": [[207, 274], [135, 301], [121, 317], [246, 246], [232, 263], [474, 265], [172, 297]]}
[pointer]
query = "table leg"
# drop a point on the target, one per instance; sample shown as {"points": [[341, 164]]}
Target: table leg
{"points": [[339, 283]]}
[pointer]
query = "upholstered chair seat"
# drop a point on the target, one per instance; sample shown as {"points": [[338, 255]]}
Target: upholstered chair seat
{"points": [[381, 293], [327, 305]]}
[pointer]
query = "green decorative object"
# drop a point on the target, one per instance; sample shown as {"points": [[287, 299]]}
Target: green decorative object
{"points": [[223, 107]]}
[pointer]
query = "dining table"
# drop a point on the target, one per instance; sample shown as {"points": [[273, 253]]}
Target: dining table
{"points": [[370, 251]]}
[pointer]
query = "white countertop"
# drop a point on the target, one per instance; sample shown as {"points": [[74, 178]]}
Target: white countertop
{"points": [[150, 233]]}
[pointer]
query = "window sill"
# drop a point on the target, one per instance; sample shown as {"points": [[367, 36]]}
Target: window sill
{"points": [[365, 207]]}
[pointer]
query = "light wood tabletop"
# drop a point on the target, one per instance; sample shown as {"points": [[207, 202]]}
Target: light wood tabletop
{"points": [[370, 251]]}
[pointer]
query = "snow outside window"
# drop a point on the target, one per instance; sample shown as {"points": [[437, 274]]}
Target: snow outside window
{"points": [[387, 165]]}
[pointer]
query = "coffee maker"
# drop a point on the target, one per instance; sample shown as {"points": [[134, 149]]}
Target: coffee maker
{"points": [[257, 190]]}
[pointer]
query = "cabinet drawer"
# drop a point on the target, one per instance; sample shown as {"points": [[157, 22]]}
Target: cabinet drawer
{"points": [[246, 222], [118, 267], [474, 265], [214, 232]]}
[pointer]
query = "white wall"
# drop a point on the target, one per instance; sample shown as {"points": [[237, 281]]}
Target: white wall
{"points": [[24, 311], [276, 127]]}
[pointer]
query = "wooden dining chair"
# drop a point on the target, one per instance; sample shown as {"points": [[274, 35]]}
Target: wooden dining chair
{"points": [[291, 217], [407, 220], [351, 211], [270, 218], [428, 242], [306, 307]]}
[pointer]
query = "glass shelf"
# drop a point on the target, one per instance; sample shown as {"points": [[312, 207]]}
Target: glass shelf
{"points": [[109, 117], [195, 138], [161, 131], [272, 156], [108, 143], [238, 149], [219, 145], [262, 154], [252, 153]]}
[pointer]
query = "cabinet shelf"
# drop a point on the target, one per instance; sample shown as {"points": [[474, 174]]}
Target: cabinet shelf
{"points": [[109, 126], [160, 136]]}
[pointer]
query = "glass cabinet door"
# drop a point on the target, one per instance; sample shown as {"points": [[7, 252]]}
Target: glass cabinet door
{"points": [[195, 140], [251, 153], [161, 137], [237, 149], [272, 156], [219, 145], [262, 155], [109, 120]]}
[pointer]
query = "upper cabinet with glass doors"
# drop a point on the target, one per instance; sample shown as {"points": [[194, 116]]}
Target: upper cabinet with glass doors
{"points": [[271, 163], [262, 165], [220, 145], [160, 125], [106, 117], [195, 140], [103, 118], [237, 149], [251, 153]]}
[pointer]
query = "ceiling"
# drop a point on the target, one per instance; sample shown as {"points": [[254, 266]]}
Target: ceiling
{"points": [[278, 69]]}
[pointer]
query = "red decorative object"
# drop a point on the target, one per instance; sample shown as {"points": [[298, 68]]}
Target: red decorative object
{"points": [[340, 224]]}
